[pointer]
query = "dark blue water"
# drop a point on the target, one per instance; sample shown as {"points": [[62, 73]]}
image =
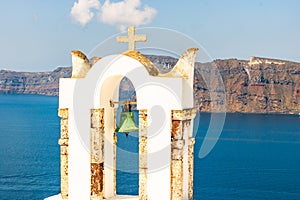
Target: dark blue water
{"points": [[29, 153], [257, 156]]}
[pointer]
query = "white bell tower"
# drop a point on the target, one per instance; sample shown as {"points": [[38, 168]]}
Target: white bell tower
{"points": [[88, 138]]}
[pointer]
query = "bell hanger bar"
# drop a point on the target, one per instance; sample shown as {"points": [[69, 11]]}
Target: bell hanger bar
{"points": [[126, 102]]}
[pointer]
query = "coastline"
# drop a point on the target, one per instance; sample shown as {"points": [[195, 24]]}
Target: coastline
{"points": [[259, 85], [204, 112]]}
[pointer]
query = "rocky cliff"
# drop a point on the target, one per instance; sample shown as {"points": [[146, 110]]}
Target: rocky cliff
{"points": [[45, 83], [259, 85]]}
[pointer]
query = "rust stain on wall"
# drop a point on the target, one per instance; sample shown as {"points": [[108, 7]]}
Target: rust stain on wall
{"points": [[191, 167], [96, 181], [143, 151], [64, 152], [97, 153]]}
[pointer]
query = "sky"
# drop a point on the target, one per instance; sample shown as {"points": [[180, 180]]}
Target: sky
{"points": [[39, 35]]}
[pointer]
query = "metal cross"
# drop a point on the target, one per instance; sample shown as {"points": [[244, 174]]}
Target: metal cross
{"points": [[132, 38]]}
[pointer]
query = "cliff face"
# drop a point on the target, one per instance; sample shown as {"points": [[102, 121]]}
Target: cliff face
{"points": [[45, 83], [257, 86]]}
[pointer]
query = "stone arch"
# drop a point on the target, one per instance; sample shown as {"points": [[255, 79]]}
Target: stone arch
{"points": [[145, 86]]}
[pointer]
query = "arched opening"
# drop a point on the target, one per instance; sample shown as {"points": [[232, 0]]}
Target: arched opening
{"points": [[127, 146], [121, 155]]}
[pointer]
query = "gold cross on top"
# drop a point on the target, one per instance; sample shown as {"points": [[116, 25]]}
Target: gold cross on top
{"points": [[132, 38]]}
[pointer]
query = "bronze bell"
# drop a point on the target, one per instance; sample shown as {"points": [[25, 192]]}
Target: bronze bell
{"points": [[127, 123]]}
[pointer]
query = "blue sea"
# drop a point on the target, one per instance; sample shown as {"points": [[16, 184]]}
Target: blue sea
{"points": [[257, 156]]}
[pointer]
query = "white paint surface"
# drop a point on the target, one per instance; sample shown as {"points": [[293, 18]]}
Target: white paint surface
{"points": [[158, 95]]}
